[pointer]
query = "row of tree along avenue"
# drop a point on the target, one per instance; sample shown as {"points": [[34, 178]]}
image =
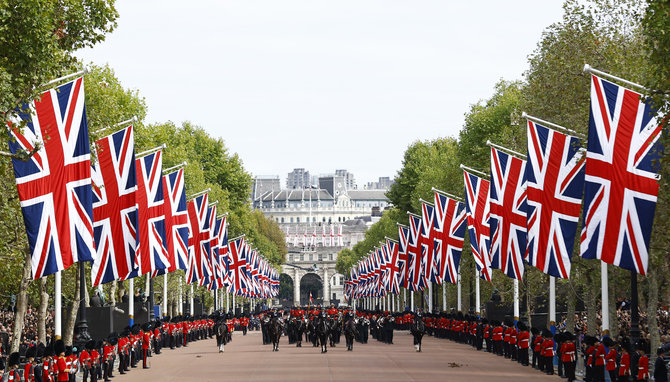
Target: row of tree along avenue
{"points": [[86, 181], [553, 197]]}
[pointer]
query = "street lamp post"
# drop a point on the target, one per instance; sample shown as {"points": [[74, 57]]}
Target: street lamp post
{"points": [[81, 328]]}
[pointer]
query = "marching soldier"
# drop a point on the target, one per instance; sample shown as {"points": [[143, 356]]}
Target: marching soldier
{"points": [[537, 344], [642, 363], [610, 358], [146, 344], [29, 367]]}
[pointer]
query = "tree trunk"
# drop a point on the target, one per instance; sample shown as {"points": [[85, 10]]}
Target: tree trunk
{"points": [[42, 312], [21, 304], [652, 306], [72, 309], [591, 304], [571, 304], [112, 293]]}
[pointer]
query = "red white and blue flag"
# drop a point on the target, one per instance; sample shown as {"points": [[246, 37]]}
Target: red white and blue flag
{"points": [[54, 184], [427, 240], [478, 213], [403, 258], [152, 253], [508, 213], [176, 219], [198, 239], [393, 267], [621, 177], [555, 184], [415, 278], [238, 266], [449, 231], [115, 212]]}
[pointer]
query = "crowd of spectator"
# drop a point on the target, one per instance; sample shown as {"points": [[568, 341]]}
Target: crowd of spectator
{"points": [[623, 320], [29, 334]]}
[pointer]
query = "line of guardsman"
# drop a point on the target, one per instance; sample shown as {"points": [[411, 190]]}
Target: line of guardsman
{"points": [[539, 348], [97, 359], [301, 321]]}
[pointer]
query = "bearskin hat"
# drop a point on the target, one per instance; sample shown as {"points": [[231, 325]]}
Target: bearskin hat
{"points": [[608, 342], [59, 347], [567, 336], [14, 359], [90, 345], [521, 326], [31, 352], [546, 333], [589, 340]]}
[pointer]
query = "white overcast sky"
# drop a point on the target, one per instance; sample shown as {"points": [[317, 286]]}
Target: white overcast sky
{"points": [[323, 85]]}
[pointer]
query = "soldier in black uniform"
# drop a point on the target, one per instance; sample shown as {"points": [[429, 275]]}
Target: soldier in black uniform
{"points": [[388, 329]]}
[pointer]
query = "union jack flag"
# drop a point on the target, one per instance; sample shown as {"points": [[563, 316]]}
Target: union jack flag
{"points": [[427, 240], [449, 236], [403, 259], [621, 177], [54, 184], [393, 266], [415, 252], [176, 219], [212, 257], [508, 213], [555, 183], [238, 266], [477, 210], [151, 256], [198, 239], [114, 208], [223, 250]]}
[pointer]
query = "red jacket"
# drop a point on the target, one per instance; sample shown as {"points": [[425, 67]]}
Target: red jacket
{"points": [[497, 334], [600, 355], [643, 368], [624, 364], [523, 340], [27, 375], [537, 344], [568, 352], [611, 360], [548, 347], [63, 375], [146, 339]]}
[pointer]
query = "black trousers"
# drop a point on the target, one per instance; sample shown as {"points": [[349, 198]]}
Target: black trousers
{"points": [[598, 373], [549, 365], [570, 370], [523, 356]]}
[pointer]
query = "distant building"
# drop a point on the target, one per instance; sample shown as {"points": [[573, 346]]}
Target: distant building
{"points": [[384, 183], [298, 178], [264, 184], [349, 181]]}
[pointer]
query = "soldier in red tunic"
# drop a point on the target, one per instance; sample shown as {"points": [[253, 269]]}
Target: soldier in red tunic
{"points": [[569, 355], [537, 344], [146, 344], [643, 362], [29, 368], [610, 358], [624, 363], [13, 373], [523, 343], [548, 351], [63, 370]]}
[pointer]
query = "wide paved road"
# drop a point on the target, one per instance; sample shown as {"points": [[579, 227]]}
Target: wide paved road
{"points": [[246, 359]]}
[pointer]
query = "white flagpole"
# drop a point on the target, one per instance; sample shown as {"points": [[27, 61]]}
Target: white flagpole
{"points": [[552, 300], [516, 299], [604, 295], [477, 294], [180, 306], [227, 302], [131, 301], [191, 297], [458, 297], [165, 299], [458, 292], [411, 296], [392, 303], [58, 305], [444, 296]]}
